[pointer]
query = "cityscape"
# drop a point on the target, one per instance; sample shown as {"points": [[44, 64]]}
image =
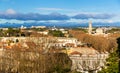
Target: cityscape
{"points": [[63, 36]]}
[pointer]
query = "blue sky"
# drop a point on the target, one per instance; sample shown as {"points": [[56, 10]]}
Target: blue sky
{"points": [[69, 10]]}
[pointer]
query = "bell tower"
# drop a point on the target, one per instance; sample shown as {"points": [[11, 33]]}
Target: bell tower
{"points": [[90, 27]]}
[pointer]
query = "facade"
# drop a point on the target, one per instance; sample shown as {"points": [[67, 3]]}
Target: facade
{"points": [[83, 50], [86, 64], [68, 41], [4, 29], [44, 32], [42, 27], [87, 60], [90, 27], [22, 27], [101, 32]]}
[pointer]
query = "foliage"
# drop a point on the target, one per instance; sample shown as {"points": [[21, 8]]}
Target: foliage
{"points": [[38, 29], [113, 30], [12, 32], [100, 43], [56, 33], [80, 29], [112, 64], [113, 61], [34, 62]]}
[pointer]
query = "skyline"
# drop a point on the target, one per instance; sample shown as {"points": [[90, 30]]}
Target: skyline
{"points": [[56, 11]]}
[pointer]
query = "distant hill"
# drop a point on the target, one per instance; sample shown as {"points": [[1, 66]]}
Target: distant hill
{"points": [[60, 24]]}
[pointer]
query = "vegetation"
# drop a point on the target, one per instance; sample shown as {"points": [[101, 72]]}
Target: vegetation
{"points": [[17, 61], [112, 64], [80, 29], [34, 62], [12, 32], [114, 30], [37, 29], [56, 33], [100, 43], [9, 32], [113, 61]]}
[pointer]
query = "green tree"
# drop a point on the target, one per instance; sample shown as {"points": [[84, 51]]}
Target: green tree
{"points": [[56, 33], [113, 61], [12, 32], [112, 64]]}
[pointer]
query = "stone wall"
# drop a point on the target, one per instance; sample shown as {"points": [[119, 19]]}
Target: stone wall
{"points": [[88, 63]]}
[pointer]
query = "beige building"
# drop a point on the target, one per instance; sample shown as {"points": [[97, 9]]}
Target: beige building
{"points": [[99, 31], [90, 27]]}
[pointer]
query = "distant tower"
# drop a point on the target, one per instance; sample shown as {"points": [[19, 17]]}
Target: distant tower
{"points": [[90, 27]]}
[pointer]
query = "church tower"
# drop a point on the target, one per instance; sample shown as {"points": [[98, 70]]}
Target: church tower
{"points": [[90, 27]]}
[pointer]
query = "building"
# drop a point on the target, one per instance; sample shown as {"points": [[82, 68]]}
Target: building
{"points": [[90, 27], [4, 29], [83, 50], [54, 28], [43, 32], [42, 27], [99, 31], [68, 41], [85, 59], [23, 27]]}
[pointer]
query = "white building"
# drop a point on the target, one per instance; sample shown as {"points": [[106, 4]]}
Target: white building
{"points": [[99, 31], [22, 27], [4, 29], [54, 28], [63, 31], [38, 27], [44, 32], [90, 27], [68, 41]]}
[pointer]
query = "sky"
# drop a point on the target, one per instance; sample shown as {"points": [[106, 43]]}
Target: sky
{"points": [[77, 11]]}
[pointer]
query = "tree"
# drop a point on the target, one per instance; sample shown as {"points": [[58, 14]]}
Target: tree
{"points": [[112, 64], [100, 43], [12, 32], [56, 33], [16, 61], [113, 61], [33, 60]]}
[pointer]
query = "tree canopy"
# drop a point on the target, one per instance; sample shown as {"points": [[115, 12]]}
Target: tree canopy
{"points": [[113, 61], [56, 33]]}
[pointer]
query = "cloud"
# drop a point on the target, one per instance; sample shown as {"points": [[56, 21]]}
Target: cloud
{"points": [[10, 11], [94, 16], [49, 9], [11, 14]]}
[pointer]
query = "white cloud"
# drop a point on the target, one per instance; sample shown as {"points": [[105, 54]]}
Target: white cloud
{"points": [[2, 21], [79, 21], [48, 9], [10, 11]]}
